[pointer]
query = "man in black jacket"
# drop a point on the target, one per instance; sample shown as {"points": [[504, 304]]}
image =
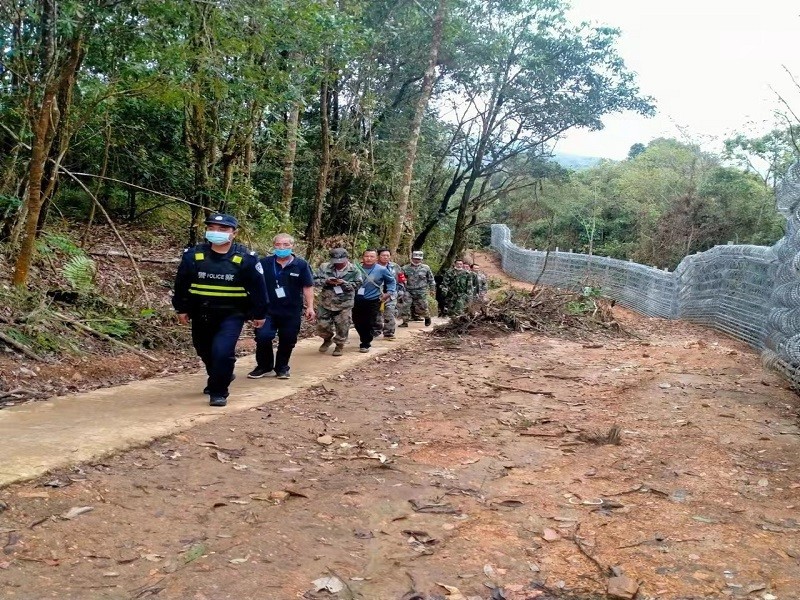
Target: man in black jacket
{"points": [[218, 286]]}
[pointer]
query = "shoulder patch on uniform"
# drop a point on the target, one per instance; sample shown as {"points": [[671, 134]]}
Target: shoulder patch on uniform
{"points": [[186, 250], [252, 253], [259, 268]]}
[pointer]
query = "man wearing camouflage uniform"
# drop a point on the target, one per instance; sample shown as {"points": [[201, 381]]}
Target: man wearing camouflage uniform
{"points": [[339, 280], [481, 284], [419, 282], [385, 319], [459, 286]]}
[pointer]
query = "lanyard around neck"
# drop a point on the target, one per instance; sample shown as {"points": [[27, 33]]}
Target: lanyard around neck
{"points": [[278, 272]]}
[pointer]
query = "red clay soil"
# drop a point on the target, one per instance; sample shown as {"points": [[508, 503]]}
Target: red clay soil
{"points": [[471, 462]]}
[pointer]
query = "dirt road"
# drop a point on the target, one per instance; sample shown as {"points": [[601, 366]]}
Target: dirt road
{"points": [[439, 464]]}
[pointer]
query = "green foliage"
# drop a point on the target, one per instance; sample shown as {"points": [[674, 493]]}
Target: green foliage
{"points": [[495, 283], [50, 342], [18, 335], [53, 243], [635, 150], [585, 303], [8, 205], [114, 327], [768, 155], [178, 101], [80, 272], [670, 200]]}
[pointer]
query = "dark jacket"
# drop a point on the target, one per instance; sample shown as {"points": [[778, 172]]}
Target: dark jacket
{"points": [[231, 283]]}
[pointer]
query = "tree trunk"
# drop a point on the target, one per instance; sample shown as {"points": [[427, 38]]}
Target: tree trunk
{"points": [[56, 82], [199, 144], [287, 182], [63, 133], [437, 217], [46, 122], [459, 233], [131, 204], [315, 224], [416, 124]]}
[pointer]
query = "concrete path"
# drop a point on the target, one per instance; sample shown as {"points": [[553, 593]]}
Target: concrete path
{"points": [[40, 436]]}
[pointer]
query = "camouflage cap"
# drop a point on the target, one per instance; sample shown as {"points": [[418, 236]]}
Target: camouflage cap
{"points": [[338, 253], [416, 254]]}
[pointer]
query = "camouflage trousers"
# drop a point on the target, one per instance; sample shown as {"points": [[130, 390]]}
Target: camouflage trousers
{"points": [[419, 303], [385, 320], [334, 324], [457, 304], [403, 312]]}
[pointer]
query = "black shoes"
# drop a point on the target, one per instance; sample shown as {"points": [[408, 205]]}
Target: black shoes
{"points": [[258, 373], [217, 401], [207, 391], [427, 321]]}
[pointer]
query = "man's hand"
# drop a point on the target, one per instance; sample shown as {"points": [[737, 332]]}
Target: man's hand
{"points": [[385, 297], [183, 318], [256, 323], [311, 314]]}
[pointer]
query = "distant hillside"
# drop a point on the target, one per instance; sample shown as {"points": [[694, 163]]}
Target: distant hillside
{"points": [[575, 161]]}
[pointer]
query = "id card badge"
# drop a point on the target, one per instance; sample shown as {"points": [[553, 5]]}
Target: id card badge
{"points": [[337, 289], [361, 291], [280, 292]]}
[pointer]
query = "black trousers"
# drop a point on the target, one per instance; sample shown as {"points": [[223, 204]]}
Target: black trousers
{"points": [[287, 328], [364, 313], [214, 337]]}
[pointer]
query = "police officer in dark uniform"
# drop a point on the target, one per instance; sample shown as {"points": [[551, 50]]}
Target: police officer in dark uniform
{"points": [[219, 285]]}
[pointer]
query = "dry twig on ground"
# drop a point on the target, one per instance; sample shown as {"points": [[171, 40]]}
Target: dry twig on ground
{"points": [[547, 311]]}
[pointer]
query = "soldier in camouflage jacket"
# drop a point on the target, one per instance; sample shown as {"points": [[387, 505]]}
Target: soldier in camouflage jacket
{"points": [[419, 281], [339, 280]]}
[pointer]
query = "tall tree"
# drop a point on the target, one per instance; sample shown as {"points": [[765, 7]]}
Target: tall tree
{"points": [[416, 124], [50, 55], [315, 223], [768, 155], [529, 76]]}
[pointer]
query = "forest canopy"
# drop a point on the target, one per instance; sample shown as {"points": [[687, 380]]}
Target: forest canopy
{"points": [[667, 200], [411, 123], [380, 121]]}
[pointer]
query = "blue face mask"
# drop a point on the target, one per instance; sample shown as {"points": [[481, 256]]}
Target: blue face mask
{"points": [[218, 237], [282, 252]]}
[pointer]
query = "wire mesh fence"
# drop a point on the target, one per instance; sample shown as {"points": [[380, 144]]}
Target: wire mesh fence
{"points": [[749, 292]]}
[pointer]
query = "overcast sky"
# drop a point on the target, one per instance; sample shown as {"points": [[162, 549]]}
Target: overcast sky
{"points": [[709, 65]]}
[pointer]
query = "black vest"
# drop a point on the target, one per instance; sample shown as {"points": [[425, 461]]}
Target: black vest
{"points": [[217, 283]]}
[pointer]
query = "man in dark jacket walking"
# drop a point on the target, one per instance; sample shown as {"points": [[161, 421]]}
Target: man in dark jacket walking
{"points": [[218, 286]]}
